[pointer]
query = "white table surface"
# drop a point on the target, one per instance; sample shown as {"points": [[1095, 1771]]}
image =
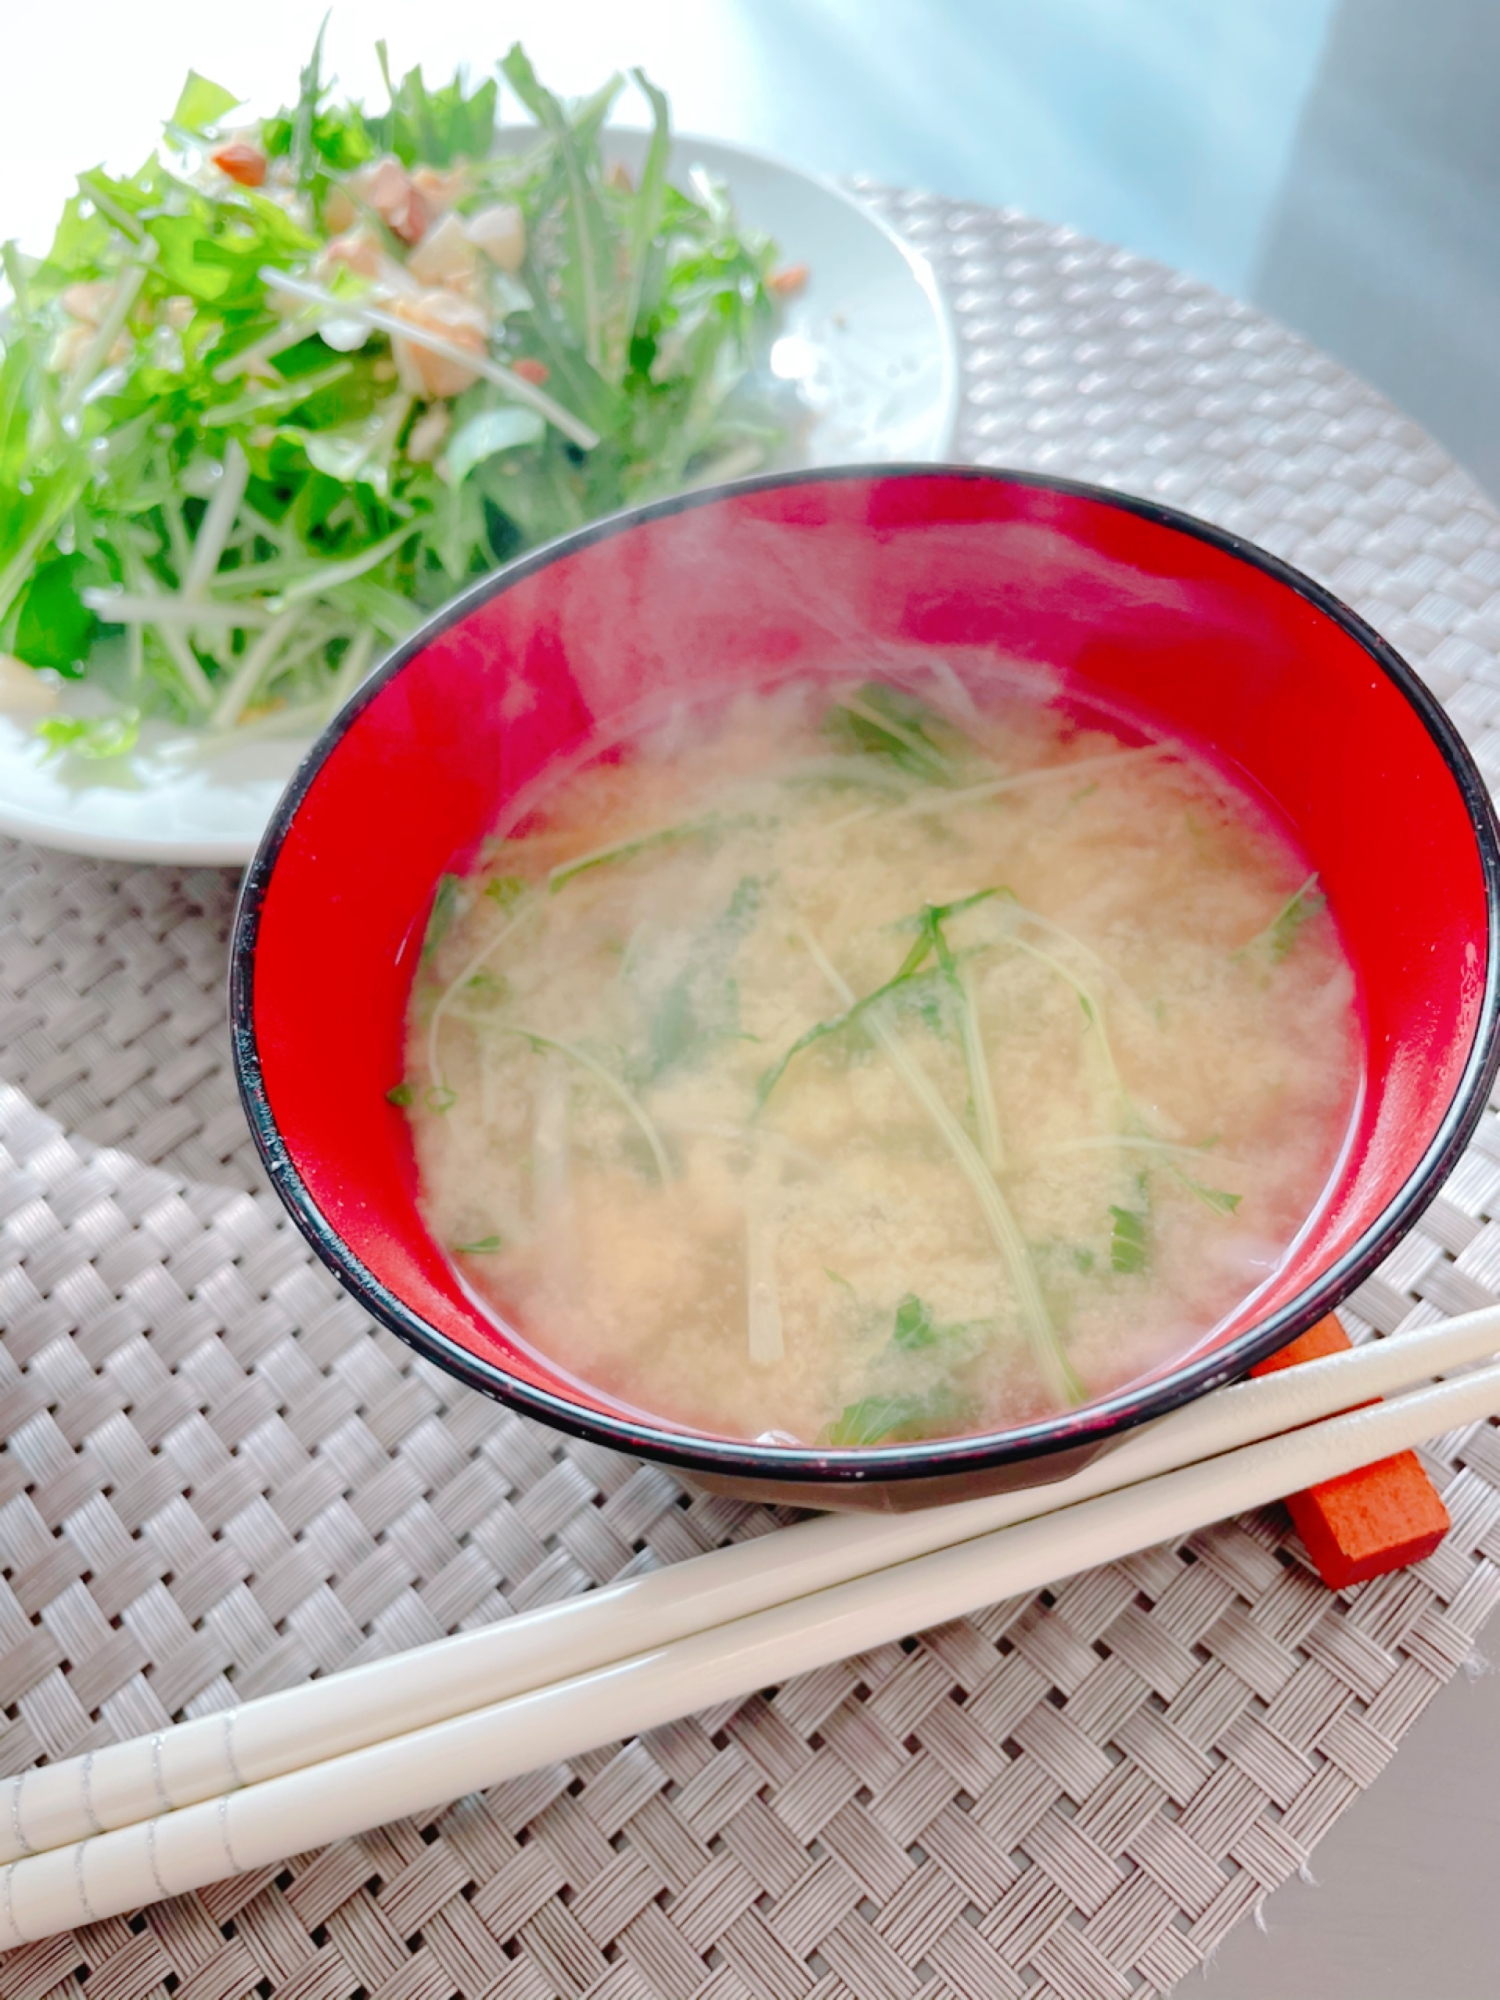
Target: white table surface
{"points": [[1403, 1897]]}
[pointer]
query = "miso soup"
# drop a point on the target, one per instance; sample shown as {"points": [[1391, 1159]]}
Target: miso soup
{"points": [[842, 1067]]}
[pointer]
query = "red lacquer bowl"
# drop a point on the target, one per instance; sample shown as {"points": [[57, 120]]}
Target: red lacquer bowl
{"points": [[1135, 607]]}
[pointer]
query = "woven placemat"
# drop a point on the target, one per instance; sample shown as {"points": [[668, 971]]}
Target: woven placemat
{"points": [[218, 1478]]}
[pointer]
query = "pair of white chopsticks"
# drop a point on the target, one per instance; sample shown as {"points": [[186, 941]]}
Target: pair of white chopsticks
{"points": [[164, 1814]]}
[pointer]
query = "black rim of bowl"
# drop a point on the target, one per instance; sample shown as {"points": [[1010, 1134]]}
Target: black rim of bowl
{"points": [[937, 1457]]}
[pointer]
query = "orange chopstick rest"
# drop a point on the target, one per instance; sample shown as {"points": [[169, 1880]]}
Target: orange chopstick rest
{"points": [[1363, 1523]]}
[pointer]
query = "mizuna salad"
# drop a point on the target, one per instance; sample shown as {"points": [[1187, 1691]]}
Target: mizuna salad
{"points": [[293, 383]]}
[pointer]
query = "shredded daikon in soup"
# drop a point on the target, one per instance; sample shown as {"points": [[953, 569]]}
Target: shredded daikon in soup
{"points": [[825, 1068]]}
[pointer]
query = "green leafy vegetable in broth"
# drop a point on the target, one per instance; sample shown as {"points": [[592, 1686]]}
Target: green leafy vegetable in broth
{"points": [[445, 906], [834, 1025], [908, 982], [1281, 934], [887, 722], [699, 1007], [549, 1044], [487, 988], [1127, 1240], [898, 1419], [271, 398], [1217, 1199], [915, 1327], [1293, 914], [626, 850], [804, 1107], [505, 890]]}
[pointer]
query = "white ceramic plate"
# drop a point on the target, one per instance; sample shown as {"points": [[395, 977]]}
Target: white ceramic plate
{"points": [[871, 349]]}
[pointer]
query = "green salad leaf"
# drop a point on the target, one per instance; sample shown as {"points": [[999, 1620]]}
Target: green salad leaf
{"points": [[242, 445], [434, 128], [91, 736], [202, 104]]}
